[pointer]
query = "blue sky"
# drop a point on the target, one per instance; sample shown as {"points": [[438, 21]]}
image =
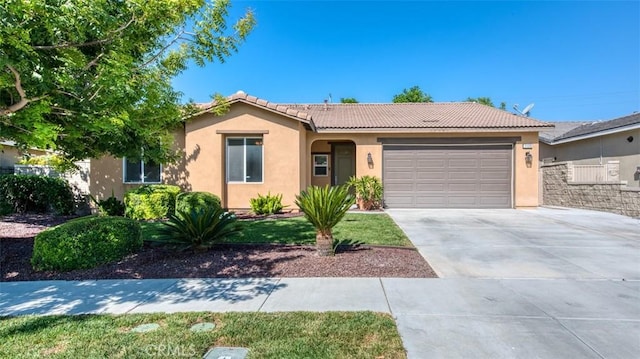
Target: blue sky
{"points": [[576, 60]]}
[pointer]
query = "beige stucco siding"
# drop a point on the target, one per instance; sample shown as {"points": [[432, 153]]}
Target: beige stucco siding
{"points": [[525, 178], [599, 150], [107, 173], [287, 157], [206, 135], [526, 175], [10, 155]]}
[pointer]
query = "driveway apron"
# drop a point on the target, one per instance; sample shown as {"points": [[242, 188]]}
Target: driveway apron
{"points": [[543, 283]]}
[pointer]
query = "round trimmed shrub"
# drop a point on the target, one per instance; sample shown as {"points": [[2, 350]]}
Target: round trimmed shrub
{"points": [[85, 243], [199, 201], [155, 201], [40, 194]]}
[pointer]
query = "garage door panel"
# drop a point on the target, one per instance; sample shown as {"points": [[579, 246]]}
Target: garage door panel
{"points": [[399, 187], [426, 175], [401, 163], [492, 187], [493, 202], [430, 164], [463, 163], [401, 175], [495, 163], [430, 201], [470, 188], [495, 175], [463, 201], [447, 177], [462, 175], [430, 188]]}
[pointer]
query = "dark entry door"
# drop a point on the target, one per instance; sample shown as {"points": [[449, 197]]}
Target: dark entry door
{"points": [[343, 162]]}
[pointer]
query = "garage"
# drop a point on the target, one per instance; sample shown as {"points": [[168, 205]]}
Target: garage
{"points": [[447, 176]]}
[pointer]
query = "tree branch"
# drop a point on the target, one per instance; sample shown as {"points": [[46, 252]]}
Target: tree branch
{"points": [[24, 101], [171, 43], [93, 62]]}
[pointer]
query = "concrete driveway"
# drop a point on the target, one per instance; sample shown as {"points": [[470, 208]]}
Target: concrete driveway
{"points": [[541, 283], [537, 243]]}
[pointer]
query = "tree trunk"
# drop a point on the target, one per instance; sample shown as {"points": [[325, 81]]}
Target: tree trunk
{"points": [[324, 244]]}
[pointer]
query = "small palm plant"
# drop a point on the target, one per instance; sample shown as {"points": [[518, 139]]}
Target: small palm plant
{"points": [[325, 207], [197, 229], [368, 191]]}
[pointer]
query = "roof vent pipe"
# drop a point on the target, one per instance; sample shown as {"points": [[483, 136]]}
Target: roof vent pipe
{"points": [[326, 107]]}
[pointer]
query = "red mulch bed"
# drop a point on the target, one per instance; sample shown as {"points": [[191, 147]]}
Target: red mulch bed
{"points": [[224, 261]]}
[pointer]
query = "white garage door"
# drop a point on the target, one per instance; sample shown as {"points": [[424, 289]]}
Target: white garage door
{"points": [[472, 176]]}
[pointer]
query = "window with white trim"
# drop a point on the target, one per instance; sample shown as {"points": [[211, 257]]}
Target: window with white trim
{"points": [[244, 159], [320, 165], [139, 171]]}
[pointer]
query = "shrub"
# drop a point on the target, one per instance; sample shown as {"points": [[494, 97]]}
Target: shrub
{"points": [[29, 193], [325, 207], [198, 229], [151, 201], [187, 201], [85, 243], [266, 204], [368, 191], [57, 162], [110, 206]]}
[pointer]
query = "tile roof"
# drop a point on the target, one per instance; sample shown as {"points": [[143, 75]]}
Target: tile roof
{"points": [[241, 96], [429, 116], [441, 116], [600, 126]]}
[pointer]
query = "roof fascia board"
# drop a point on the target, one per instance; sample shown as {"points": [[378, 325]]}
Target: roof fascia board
{"points": [[429, 130], [596, 134], [304, 121]]}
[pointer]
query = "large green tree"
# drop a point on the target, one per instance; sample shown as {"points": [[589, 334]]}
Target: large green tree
{"points": [[414, 94], [348, 100], [481, 100], [486, 101], [89, 78]]}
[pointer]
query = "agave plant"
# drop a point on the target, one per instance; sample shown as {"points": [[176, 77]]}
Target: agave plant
{"points": [[198, 229], [324, 207]]}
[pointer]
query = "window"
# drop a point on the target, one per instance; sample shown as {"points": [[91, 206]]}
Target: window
{"points": [[138, 171], [321, 165], [244, 160]]}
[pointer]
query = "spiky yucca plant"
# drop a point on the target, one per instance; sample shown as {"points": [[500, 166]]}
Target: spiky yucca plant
{"points": [[198, 229], [324, 207]]}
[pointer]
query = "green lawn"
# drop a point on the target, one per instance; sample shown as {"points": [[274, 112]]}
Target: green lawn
{"points": [[378, 229], [267, 335]]}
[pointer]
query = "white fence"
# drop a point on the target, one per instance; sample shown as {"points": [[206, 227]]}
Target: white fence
{"points": [[606, 173], [78, 180]]}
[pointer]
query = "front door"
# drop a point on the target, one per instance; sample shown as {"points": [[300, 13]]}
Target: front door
{"points": [[344, 165]]}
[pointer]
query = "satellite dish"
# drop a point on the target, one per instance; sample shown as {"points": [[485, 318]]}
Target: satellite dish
{"points": [[525, 111]]}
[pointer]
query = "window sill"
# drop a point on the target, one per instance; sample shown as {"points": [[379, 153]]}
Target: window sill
{"points": [[141, 182]]}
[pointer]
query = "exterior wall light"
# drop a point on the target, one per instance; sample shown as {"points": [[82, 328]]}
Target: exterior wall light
{"points": [[528, 158], [370, 160]]}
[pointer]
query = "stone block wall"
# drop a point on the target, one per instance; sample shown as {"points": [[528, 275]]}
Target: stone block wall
{"points": [[613, 197]]}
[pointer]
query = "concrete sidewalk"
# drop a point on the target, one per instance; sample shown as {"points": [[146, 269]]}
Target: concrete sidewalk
{"points": [[436, 317]]}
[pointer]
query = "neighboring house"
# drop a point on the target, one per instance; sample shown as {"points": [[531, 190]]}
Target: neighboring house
{"points": [[596, 143], [428, 155], [10, 155]]}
